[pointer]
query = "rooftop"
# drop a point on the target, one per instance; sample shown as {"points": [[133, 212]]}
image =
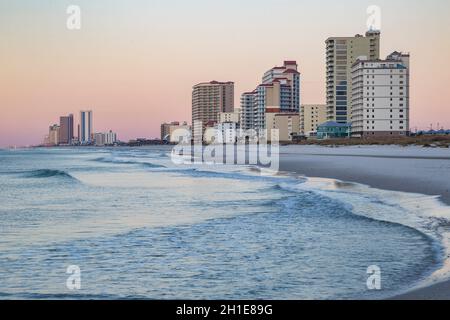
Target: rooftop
{"points": [[214, 82]]}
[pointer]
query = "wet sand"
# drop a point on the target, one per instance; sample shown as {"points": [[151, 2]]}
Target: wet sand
{"points": [[408, 169]]}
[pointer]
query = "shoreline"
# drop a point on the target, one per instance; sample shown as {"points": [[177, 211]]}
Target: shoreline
{"points": [[393, 168], [405, 169]]}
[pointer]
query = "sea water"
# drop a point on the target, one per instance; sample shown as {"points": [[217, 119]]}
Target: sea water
{"points": [[139, 227]]}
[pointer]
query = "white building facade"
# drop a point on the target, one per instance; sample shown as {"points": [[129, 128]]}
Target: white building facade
{"points": [[227, 132], [380, 96], [105, 138]]}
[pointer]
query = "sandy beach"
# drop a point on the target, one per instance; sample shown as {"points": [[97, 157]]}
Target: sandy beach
{"points": [[408, 169]]}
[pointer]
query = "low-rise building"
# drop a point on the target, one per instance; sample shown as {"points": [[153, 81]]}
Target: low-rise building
{"points": [[332, 130], [210, 133], [180, 133], [287, 124], [174, 132]]}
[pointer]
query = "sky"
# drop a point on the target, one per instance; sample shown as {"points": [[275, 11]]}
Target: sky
{"points": [[134, 62]]}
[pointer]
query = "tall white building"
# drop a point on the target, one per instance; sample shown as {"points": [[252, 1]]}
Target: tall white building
{"points": [[86, 130], [105, 138], [110, 137], [380, 97]]}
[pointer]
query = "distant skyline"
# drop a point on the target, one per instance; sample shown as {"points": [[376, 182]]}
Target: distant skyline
{"points": [[134, 62]]}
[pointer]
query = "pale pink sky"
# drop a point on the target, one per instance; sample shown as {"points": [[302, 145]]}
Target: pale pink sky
{"points": [[134, 62]]}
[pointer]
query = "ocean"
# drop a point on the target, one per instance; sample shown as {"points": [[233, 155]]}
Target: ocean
{"points": [[140, 227]]}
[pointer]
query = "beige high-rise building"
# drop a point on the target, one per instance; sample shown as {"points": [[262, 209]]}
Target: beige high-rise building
{"points": [[341, 54], [311, 116], [209, 99], [280, 89], [165, 130]]}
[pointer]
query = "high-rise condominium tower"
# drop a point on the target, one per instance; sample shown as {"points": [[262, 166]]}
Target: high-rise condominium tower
{"points": [[247, 114], [66, 129], [278, 92], [208, 100], [86, 127], [341, 53], [381, 96]]}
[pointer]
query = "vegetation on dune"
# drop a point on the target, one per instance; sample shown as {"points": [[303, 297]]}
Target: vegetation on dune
{"points": [[425, 141]]}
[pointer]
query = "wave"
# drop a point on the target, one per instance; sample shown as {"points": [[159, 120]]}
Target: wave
{"points": [[47, 173], [131, 162], [218, 174], [423, 213], [151, 165], [67, 296]]}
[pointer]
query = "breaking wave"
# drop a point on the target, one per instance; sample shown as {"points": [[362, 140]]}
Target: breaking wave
{"points": [[47, 173], [125, 161]]}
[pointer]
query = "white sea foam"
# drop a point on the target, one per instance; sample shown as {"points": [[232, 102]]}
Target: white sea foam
{"points": [[426, 214]]}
